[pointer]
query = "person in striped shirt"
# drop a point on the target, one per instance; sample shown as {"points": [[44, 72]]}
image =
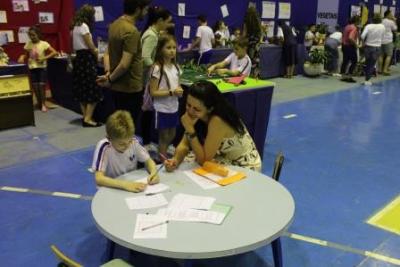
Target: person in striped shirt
{"points": [[239, 61], [119, 153]]}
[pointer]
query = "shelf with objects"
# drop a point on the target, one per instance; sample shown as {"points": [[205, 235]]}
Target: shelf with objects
{"points": [[16, 103]]}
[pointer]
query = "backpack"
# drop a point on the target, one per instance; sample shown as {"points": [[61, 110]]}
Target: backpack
{"points": [[147, 104]]}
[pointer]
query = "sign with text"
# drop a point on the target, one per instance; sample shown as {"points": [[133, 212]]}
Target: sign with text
{"points": [[327, 12]]}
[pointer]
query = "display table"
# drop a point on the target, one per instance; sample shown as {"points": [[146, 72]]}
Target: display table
{"points": [[16, 104], [262, 209]]}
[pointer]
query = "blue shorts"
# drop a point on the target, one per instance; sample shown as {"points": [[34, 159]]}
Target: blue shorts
{"points": [[166, 120], [38, 75]]}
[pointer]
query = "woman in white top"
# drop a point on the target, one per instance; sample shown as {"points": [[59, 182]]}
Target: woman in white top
{"points": [[84, 71]]}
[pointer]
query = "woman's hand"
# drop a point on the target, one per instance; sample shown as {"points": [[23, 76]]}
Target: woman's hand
{"points": [[188, 122], [171, 164]]}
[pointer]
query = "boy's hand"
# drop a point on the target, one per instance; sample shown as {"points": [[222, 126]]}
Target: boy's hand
{"points": [[134, 186], [153, 179], [170, 164]]}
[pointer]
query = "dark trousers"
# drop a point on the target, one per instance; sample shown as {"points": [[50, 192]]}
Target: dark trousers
{"points": [[333, 55], [131, 102], [349, 56], [371, 54]]}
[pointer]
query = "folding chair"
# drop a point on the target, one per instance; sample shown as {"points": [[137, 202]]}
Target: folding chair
{"points": [[276, 244], [68, 262]]}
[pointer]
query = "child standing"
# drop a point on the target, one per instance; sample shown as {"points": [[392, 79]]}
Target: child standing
{"points": [[119, 153], [37, 52], [165, 89], [239, 61]]}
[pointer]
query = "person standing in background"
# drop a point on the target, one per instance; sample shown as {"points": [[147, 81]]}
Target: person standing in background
{"points": [[349, 48], [253, 33], [387, 43], [159, 20], [204, 40], [309, 37], [84, 71], [123, 62]]}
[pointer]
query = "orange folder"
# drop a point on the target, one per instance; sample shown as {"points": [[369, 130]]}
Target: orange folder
{"points": [[219, 173]]}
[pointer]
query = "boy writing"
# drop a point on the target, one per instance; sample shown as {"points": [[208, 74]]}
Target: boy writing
{"points": [[240, 62], [119, 153]]}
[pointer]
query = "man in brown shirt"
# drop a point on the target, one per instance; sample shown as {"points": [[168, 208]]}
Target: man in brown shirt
{"points": [[123, 64]]}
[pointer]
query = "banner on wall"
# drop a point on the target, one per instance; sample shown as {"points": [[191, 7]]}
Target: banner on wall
{"points": [[327, 12]]}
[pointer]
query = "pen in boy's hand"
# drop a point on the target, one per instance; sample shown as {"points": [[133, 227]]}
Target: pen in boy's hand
{"points": [[162, 156], [155, 174]]}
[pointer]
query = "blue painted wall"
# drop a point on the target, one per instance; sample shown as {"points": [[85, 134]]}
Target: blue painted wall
{"points": [[303, 12]]}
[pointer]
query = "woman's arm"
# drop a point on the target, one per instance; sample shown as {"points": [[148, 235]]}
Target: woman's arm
{"points": [[180, 153], [87, 38], [149, 44]]}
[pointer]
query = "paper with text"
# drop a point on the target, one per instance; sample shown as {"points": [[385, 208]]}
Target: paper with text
{"points": [[146, 202], [144, 229], [191, 215], [184, 201]]}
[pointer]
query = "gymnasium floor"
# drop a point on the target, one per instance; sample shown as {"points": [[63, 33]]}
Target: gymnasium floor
{"points": [[340, 144]]}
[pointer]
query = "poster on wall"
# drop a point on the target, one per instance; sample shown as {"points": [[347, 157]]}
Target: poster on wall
{"points": [[327, 13], [3, 16], [268, 10], [224, 11], [271, 26], [46, 17], [23, 35], [355, 11], [377, 9], [383, 10], [9, 34], [284, 11], [98, 13], [186, 32], [20, 5], [393, 10], [181, 9]]}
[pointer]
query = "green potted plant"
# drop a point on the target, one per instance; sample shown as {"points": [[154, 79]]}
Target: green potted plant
{"points": [[315, 63]]}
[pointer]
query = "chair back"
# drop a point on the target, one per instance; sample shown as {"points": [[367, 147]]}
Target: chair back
{"points": [[278, 166], [64, 260]]}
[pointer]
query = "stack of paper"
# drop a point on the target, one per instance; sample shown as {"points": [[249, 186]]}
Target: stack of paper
{"points": [[185, 201], [192, 215]]}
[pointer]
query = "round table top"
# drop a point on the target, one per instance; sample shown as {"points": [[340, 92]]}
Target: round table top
{"points": [[262, 209]]}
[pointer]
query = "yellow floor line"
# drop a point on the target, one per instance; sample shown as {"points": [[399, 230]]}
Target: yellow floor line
{"points": [[45, 193], [386, 217], [63, 194], [324, 243]]}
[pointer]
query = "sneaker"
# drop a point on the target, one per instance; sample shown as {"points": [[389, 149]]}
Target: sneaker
{"points": [[367, 83], [336, 75], [351, 80]]}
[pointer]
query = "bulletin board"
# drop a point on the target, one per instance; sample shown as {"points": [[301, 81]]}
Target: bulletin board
{"points": [[53, 17]]}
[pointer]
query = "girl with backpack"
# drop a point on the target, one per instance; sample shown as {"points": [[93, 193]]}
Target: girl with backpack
{"points": [[165, 89]]}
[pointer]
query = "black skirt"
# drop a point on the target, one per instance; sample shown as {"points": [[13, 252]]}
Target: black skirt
{"points": [[289, 54], [84, 74]]}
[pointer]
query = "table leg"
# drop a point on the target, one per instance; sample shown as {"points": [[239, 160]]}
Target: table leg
{"points": [[277, 252], [187, 263]]}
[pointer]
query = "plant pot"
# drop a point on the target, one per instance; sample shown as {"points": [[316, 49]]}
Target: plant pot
{"points": [[313, 70]]}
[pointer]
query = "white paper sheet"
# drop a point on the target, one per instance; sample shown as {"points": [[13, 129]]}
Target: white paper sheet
{"points": [[20, 5], [224, 11], [383, 10], [23, 35], [184, 201], [284, 10], [377, 9], [268, 10], [10, 35], [98, 15], [186, 32], [46, 17], [181, 9], [153, 189], [191, 215], [201, 181], [3, 16], [148, 220], [146, 202]]}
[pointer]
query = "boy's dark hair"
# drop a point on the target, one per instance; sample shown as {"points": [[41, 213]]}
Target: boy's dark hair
{"points": [[202, 18], [130, 6]]}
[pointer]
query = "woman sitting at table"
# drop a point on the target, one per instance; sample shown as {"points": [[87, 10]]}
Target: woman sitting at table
{"points": [[214, 131]]}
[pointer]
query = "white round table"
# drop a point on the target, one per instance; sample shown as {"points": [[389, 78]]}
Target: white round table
{"points": [[262, 210]]}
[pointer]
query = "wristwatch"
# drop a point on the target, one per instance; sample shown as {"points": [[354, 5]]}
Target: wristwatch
{"points": [[190, 136]]}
